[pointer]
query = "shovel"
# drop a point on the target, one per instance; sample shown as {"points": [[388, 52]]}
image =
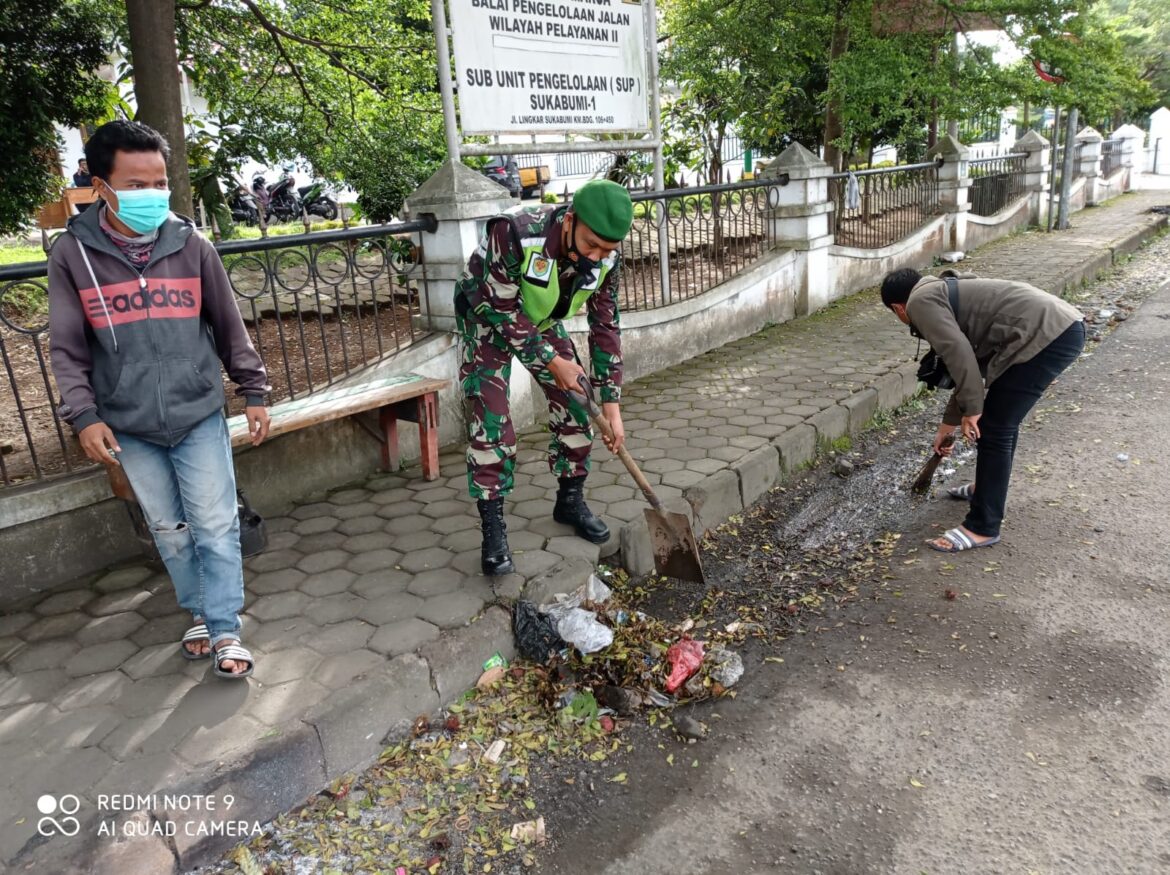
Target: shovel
{"points": [[922, 483], [676, 553]]}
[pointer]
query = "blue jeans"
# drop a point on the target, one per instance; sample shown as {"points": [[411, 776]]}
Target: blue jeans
{"points": [[188, 495], [1008, 401]]}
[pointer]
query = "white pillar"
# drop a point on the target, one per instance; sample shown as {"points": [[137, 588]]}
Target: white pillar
{"points": [[1089, 165], [462, 201], [799, 220], [1133, 156], [1036, 171], [953, 182], [1159, 142]]}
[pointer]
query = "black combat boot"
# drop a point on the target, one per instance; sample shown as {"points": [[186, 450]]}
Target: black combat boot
{"points": [[572, 510], [495, 558]]}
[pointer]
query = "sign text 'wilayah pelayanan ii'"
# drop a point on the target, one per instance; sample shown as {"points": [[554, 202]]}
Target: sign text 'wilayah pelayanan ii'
{"points": [[550, 65]]}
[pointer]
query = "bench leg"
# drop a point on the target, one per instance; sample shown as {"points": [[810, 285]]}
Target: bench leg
{"points": [[388, 422], [428, 435]]}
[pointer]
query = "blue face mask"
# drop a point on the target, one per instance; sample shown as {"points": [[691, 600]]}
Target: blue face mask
{"points": [[143, 210]]}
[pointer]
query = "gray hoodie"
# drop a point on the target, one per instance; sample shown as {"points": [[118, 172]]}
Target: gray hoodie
{"points": [[140, 350]]}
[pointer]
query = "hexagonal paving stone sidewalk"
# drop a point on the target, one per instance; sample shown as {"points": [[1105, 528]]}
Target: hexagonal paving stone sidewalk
{"points": [[367, 607]]}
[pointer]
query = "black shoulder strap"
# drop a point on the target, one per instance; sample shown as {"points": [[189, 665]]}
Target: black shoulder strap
{"points": [[953, 294]]}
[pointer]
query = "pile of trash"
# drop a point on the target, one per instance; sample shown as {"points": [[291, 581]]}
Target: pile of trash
{"points": [[602, 659]]}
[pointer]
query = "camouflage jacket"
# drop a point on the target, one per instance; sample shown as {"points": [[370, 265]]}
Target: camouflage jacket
{"points": [[490, 288]]}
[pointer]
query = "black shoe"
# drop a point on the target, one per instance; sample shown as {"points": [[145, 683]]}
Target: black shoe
{"points": [[572, 510], [495, 558]]}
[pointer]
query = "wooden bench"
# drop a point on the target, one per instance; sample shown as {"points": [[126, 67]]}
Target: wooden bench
{"points": [[53, 215], [409, 397]]}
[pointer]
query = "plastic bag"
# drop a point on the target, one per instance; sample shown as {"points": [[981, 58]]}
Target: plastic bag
{"points": [[536, 634], [593, 591], [726, 666], [685, 656], [584, 631]]}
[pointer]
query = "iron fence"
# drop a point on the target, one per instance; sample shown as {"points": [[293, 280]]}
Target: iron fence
{"points": [[997, 183], [583, 163], [711, 233], [875, 208], [1110, 157], [317, 307], [1058, 164]]}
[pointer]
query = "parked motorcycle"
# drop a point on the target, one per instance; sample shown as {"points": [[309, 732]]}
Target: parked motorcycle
{"points": [[243, 205], [317, 201], [285, 202], [279, 200]]}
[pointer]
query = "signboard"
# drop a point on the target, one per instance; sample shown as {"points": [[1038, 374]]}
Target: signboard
{"points": [[538, 66]]}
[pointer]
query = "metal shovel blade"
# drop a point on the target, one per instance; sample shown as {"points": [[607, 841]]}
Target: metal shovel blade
{"points": [[676, 554]]}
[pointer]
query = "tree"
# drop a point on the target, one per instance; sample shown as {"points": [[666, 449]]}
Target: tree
{"points": [[729, 65], [151, 25], [49, 52], [351, 88], [348, 87], [1143, 27]]}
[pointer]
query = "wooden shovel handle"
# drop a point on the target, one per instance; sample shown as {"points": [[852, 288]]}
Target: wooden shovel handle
{"points": [[585, 398]]}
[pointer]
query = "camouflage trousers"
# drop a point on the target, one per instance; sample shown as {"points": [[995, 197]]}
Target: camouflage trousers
{"points": [[484, 372]]}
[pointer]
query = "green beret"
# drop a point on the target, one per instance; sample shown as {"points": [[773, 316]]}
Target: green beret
{"points": [[606, 208]]}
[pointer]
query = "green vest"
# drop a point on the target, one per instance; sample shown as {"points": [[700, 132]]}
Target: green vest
{"points": [[540, 285]]}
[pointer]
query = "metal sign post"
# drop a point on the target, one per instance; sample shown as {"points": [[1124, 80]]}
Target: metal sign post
{"points": [[1052, 169], [659, 169], [1066, 172], [446, 92]]}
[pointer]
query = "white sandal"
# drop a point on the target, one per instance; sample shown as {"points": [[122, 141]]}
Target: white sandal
{"points": [[197, 632], [238, 653], [963, 493], [960, 541]]}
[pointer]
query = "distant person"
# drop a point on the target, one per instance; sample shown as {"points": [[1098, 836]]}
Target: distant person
{"points": [[1003, 343], [141, 316], [82, 179]]}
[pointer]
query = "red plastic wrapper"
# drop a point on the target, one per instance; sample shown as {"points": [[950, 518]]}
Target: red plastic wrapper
{"points": [[685, 656]]}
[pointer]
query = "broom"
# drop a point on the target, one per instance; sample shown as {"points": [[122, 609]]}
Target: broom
{"points": [[922, 482]]}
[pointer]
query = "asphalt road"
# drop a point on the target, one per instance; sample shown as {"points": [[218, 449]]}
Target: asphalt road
{"points": [[1023, 726]]}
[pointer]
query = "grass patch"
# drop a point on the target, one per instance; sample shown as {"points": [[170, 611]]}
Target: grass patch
{"points": [[26, 303], [838, 446], [13, 252]]}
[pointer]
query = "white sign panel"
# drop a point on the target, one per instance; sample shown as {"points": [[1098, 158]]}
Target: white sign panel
{"points": [[527, 66]]}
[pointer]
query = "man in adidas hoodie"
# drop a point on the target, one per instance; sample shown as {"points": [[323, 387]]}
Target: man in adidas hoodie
{"points": [[141, 314]]}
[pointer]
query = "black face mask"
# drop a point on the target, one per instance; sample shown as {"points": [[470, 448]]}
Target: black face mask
{"points": [[585, 267]]}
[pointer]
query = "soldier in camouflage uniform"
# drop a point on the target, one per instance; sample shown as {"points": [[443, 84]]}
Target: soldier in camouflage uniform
{"points": [[534, 267]]}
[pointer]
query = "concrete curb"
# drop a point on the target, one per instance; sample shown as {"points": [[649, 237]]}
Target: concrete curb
{"points": [[1116, 250], [719, 496], [344, 733]]}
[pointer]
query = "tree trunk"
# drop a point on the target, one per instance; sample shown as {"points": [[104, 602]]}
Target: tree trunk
{"points": [[837, 47], [157, 88], [715, 177], [932, 124]]}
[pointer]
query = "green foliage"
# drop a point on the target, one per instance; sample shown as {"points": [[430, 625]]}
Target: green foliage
{"points": [[765, 71], [549, 198], [350, 88], [1143, 27], [49, 50]]}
